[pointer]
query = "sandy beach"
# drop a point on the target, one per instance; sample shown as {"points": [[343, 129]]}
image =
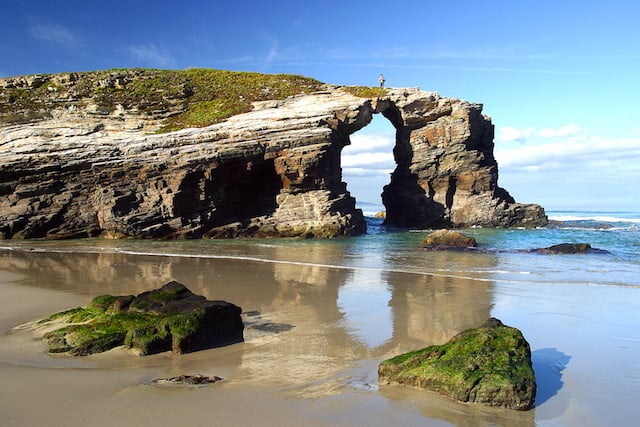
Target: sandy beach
{"points": [[314, 337]]}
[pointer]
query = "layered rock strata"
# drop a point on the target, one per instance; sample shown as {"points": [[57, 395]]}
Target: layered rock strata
{"points": [[274, 171]]}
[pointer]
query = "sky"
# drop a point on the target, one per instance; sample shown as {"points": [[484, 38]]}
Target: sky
{"points": [[558, 78]]}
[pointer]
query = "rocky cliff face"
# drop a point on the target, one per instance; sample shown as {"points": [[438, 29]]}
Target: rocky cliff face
{"points": [[73, 170]]}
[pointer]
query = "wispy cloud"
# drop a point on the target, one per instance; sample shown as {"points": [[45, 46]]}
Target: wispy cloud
{"points": [[566, 131], [272, 53], [402, 58], [52, 33], [509, 134], [568, 148], [150, 55]]}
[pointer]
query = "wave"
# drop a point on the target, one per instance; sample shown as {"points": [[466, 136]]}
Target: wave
{"points": [[592, 217]]}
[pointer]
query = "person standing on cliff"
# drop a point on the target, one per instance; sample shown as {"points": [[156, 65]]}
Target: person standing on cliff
{"points": [[381, 80]]}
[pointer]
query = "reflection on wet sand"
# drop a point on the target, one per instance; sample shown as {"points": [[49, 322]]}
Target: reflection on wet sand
{"points": [[458, 414], [340, 316]]}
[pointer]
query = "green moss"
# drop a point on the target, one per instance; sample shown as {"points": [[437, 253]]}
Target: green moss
{"points": [[101, 303], [182, 326], [168, 318], [366, 91], [95, 329], [63, 315], [490, 364], [85, 339]]}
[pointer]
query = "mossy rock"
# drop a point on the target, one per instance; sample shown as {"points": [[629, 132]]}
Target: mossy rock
{"points": [[169, 318], [490, 365], [448, 240]]}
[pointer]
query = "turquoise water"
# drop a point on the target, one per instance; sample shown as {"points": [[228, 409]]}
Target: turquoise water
{"points": [[502, 253]]}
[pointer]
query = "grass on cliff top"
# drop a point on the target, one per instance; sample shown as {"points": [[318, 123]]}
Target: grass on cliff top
{"points": [[195, 97], [218, 94], [366, 91]]}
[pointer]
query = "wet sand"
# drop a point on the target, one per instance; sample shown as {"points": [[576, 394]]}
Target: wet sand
{"points": [[314, 338]]}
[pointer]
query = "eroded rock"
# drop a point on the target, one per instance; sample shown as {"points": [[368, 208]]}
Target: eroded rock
{"points": [[171, 318], [274, 171], [490, 365]]}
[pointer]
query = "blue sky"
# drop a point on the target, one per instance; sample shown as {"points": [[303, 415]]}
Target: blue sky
{"points": [[558, 78]]}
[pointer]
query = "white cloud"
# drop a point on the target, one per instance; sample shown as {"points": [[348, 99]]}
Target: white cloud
{"points": [[564, 131], [368, 155], [569, 148], [369, 143], [509, 134], [150, 55], [52, 33], [569, 167], [377, 160], [366, 172]]}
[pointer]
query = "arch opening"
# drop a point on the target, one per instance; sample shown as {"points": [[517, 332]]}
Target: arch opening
{"points": [[367, 163]]}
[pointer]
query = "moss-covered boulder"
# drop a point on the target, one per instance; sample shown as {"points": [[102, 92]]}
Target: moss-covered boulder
{"points": [[170, 318], [448, 240], [490, 365]]}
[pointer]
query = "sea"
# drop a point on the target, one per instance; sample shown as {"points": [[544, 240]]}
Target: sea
{"points": [[383, 294]]}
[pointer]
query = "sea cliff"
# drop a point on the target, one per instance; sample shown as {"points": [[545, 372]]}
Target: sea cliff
{"points": [[108, 154]]}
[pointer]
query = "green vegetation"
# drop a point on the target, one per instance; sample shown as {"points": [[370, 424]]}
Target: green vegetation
{"points": [[218, 94], [95, 329], [490, 365], [366, 91], [169, 318], [194, 97]]}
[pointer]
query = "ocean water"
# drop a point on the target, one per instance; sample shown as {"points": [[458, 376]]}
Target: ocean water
{"points": [[380, 293]]}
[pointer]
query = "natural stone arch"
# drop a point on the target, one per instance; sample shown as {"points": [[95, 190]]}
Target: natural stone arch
{"points": [[406, 203], [409, 201], [274, 171], [446, 175]]}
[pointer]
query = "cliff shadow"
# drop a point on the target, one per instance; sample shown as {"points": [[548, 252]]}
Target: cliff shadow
{"points": [[236, 191]]}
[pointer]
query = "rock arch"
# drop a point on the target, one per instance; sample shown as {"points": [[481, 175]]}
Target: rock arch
{"points": [[274, 171], [446, 174]]}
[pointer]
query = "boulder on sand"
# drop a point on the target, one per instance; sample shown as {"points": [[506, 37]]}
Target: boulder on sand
{"points": [[490, 365], [170, 318]]}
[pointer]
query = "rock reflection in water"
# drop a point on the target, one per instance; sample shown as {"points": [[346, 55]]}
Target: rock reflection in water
{"points": [[439, 407], [339, 314]]}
